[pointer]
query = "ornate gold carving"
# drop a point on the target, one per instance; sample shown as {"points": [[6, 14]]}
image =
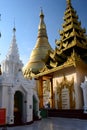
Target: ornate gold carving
{"points": [[46, 87], [28, 73], [59, 44], [53, 64], [68, 1], [73, 58], [70, 86]]}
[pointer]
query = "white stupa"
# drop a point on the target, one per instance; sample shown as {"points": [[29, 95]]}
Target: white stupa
{"points": [[16, 92]]}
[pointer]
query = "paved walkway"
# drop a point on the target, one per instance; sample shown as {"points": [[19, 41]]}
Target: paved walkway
{"points": [[54, 124]]}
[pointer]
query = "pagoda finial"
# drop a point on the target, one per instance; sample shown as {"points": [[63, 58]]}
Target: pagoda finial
{"points": [[41, 13], [42, 24], [68, 2]]}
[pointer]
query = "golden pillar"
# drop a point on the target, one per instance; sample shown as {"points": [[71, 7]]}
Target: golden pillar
{"points": [[40, 93], [51, 94]]}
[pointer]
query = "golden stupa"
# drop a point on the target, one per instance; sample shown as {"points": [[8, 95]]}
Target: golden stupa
{"points": [[40, 52]]}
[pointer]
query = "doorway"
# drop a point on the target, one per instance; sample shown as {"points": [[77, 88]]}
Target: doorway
{"points": [[18, 107]]}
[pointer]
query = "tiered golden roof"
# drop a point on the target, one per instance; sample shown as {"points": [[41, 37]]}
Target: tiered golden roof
{"points": [[72, 37], [39, 53]]}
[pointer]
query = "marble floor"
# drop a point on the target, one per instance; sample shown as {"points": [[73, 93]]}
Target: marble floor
{"points": [[54, 124]]}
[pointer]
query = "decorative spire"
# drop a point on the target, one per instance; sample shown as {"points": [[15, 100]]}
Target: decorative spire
{"points": [[41, 14], [68, 1], [42, 24], [42, 27], [13, 50]]}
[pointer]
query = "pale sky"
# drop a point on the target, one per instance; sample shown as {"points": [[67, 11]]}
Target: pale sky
{"points": [[26, 15]]}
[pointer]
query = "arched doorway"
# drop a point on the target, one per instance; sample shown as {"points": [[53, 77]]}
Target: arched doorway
{"points": [[18, 107]]}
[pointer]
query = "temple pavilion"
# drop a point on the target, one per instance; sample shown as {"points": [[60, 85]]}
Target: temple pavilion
{"points": [[59, 72]]}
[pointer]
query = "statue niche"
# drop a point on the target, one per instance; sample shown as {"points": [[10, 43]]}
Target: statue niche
{"points": [[65, 94]]}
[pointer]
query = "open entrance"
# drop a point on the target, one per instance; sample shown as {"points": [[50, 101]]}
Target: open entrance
{"points": [[35, 109], [18, 107]]}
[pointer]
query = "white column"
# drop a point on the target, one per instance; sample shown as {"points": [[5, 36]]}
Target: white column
{"points": [[11, 106], [29, 108]]}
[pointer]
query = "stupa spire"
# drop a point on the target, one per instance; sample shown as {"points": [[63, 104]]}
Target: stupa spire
{"points": [[41, 15], [13, 50], [40, 51], [12, 61], [42, 27], [68, 2], [41, 18]]}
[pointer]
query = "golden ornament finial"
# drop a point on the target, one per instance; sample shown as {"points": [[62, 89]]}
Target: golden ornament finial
{"points": [[41, 12], [68, 1]]}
